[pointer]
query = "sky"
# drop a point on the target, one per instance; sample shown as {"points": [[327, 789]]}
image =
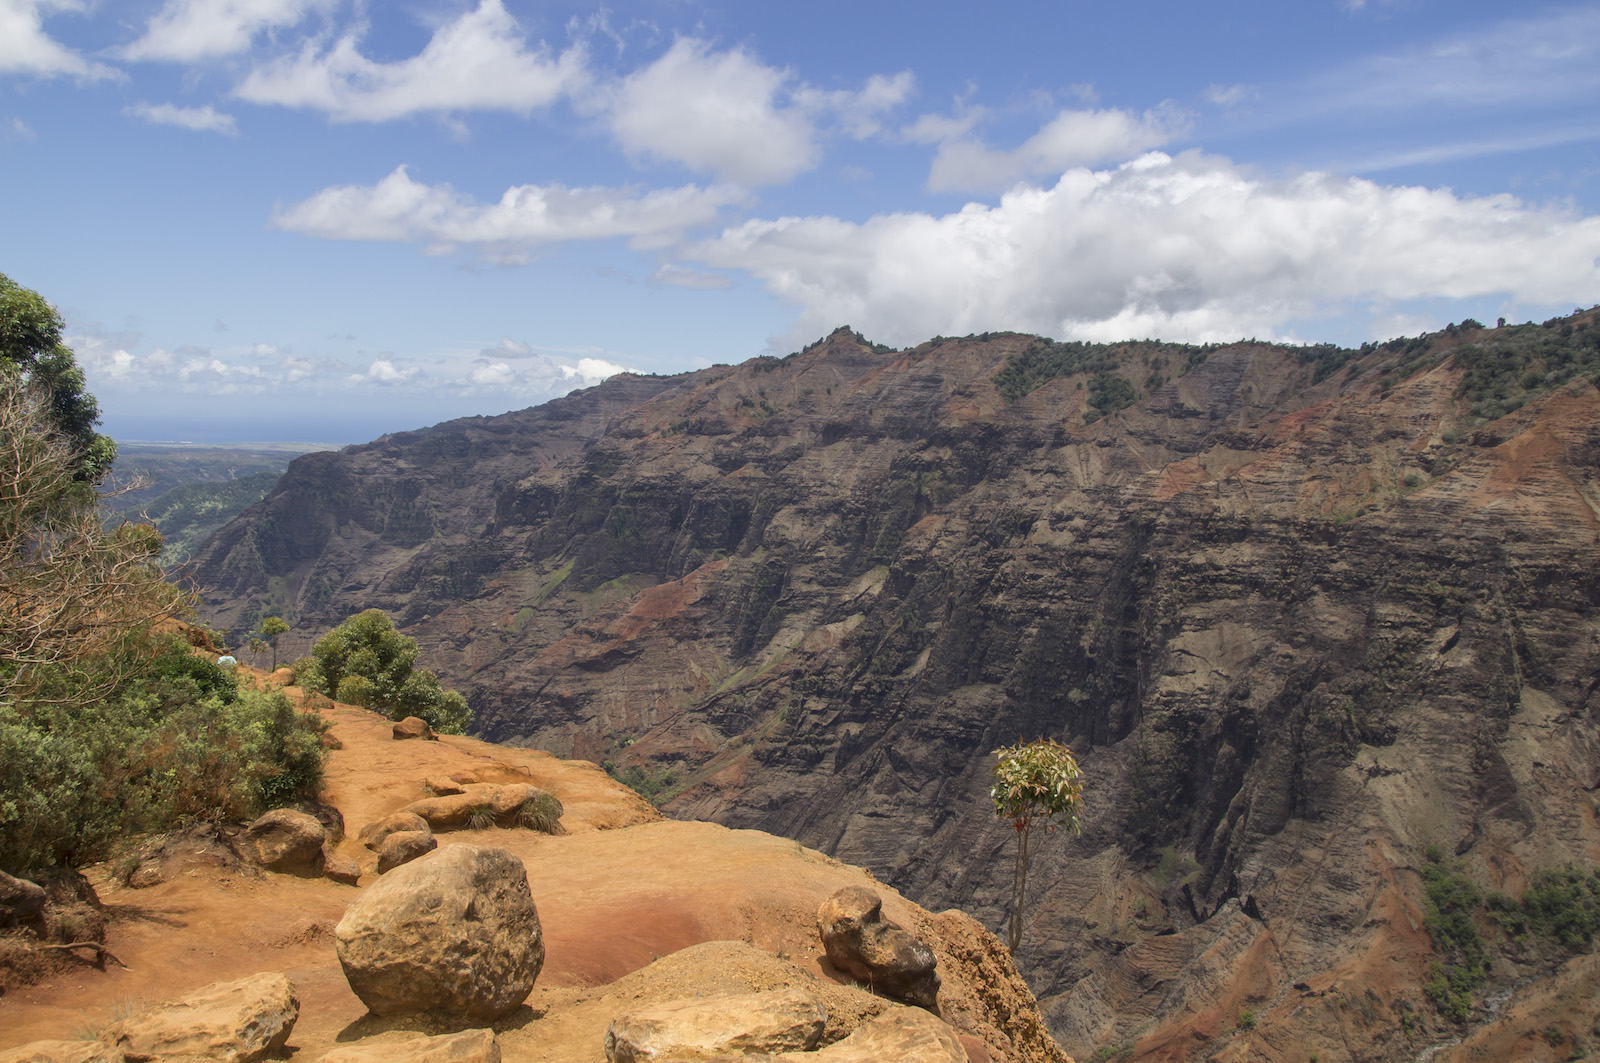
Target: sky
{"points": [[324, 220]]}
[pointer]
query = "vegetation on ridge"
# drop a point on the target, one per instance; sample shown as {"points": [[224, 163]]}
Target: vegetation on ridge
{"points": [[106, 729], [365, 661]]}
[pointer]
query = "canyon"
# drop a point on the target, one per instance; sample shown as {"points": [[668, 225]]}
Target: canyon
{"points": [[1312, 618]]}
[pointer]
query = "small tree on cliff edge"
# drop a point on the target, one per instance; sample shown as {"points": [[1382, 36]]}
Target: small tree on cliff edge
{"points": [[365, 661], [1036, 784]]}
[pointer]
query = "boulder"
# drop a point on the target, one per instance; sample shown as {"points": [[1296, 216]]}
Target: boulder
{"points": [[706, 1027], [281, 677], [413, 727], [404, 846], [61, 1052], [236, 1022], [372, 834], [505, 800], [22, 903], [905, 1035], [442, 785], [863, 944], [453, 932], [340, 868], [452, 813], [471, 1046], [285, 840]]}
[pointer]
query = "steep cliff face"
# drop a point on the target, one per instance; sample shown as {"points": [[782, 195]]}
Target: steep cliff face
{"points": [[1303, 612]]}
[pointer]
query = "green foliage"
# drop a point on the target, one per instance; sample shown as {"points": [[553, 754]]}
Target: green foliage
{"points": [[1451, 901], [368, 660], [646, 783], [1246, 1020], [1510, 367], [176, 743], [1564, 905], [33, 357], [187, 515], [1036, 784], [1109, 393]]}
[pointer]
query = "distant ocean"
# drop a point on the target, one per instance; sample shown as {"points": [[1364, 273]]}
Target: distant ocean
{"points": [[336, 432]]}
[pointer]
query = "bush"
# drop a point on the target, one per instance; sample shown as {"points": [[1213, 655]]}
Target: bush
{"points": [[365, 661], [180, 742]]}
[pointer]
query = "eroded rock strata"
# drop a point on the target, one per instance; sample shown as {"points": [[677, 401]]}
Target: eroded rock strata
{"points": [[1302, 612]]}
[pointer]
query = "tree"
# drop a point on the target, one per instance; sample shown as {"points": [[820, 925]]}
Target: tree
{"points": [[271, 628], [365, 661], [1035, 784], [32, 353], [77, 594]]}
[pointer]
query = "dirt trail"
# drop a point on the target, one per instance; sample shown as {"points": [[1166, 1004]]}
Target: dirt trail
{"points": [[622, 888]]}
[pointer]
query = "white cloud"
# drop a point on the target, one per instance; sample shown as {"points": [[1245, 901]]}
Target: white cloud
{"points": [[188, 30], [25, 48], [860, 113], [1186, 248], [1551, 56], [398, 208], [541, 378], [200, 119], [1229, 95], [479, 61], [729, 114], [675, 276], [714, 113], [384, 371], [1071, 138]]}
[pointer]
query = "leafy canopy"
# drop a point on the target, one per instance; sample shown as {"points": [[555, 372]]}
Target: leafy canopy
{"points": [[365, 661], [1035, 784]]}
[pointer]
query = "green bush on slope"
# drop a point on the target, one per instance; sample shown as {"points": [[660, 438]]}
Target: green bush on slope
{"points": [[365, 661]]}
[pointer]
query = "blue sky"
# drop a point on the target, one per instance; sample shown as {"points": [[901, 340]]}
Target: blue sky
{"points": [[326, 219]]}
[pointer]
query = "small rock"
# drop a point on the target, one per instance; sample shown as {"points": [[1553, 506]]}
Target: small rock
{"points": [[792, 1020], [454, 932], [340, 868], [905, 1035], [236, 1022], [442, 785], [62, 1052], [146, 875], [22, 903], [404, 846], [471, 1046], [286, 840], [413, 727], [860, 942], [372, 834]]}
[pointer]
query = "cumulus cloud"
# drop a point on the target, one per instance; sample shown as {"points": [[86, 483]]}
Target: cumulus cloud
{"points": [[398, 208], [479, 61], [537, 377], [1187, 248], [185, 31], [383, 371], [1072, 138], [25, 48], [729, 114], [200, 119]]}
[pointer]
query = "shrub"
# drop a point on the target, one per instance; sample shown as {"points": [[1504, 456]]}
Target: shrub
{"points": [[375, 665]]}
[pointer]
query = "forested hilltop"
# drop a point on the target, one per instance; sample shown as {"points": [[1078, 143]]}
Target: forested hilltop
{"points": [[1320, 623]]}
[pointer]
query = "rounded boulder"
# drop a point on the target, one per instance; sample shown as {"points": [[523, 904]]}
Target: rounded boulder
{"points": [[454, 932], [286, 840]]}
